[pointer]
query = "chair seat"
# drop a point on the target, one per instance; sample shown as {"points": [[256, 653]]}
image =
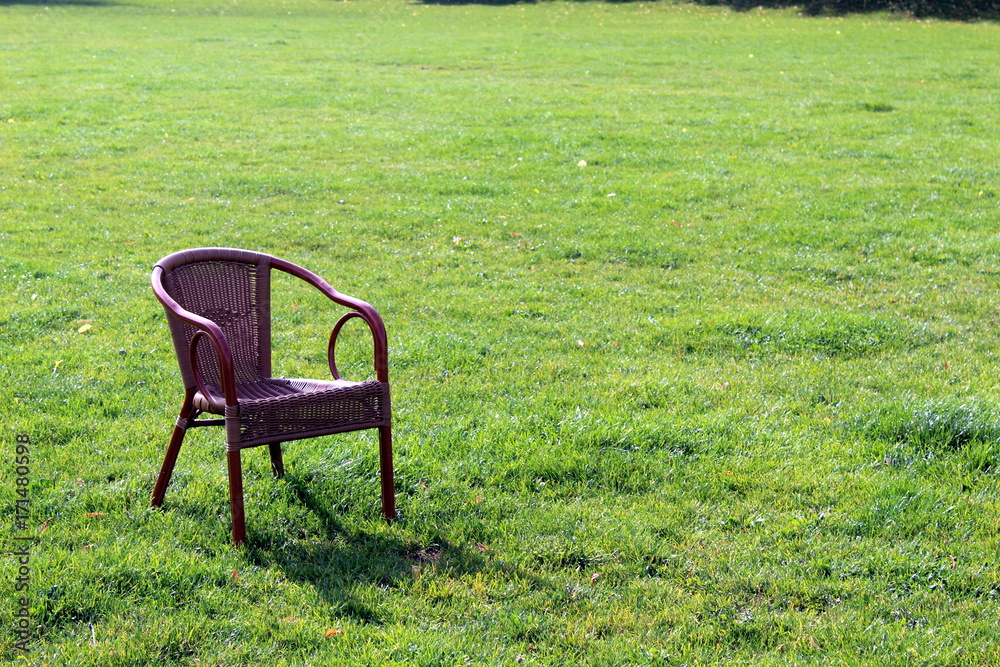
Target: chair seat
{"points": [[280, 409]]}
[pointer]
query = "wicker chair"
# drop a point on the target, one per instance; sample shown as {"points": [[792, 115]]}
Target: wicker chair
{"points": [[218, 306]]}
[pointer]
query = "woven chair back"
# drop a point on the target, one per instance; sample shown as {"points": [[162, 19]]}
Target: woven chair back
{"points": [[234, 291]]}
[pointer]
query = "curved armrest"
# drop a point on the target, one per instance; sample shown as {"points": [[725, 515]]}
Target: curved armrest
{"points": [[206, 327], [220, 358], [360, 309], [331, 350]]}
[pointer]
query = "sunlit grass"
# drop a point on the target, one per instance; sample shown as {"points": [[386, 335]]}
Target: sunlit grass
{"points": [[691, 326]]}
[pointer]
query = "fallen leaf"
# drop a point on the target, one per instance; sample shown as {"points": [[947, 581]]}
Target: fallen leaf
{"points": [[334, 632], [236, 575], [482, 547], [594, 577], [45, 526], [93, 515], [85, 328]]}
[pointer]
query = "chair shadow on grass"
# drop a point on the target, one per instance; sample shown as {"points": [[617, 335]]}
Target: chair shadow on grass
{"points": [[344, 559]]}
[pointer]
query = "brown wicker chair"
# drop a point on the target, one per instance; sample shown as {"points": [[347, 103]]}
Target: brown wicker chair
{"points": [[218, 306]]}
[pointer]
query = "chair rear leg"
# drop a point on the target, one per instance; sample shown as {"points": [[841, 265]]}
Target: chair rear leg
{"points": [[236, 497], [385, 468], [173, 449], [277, 463]]}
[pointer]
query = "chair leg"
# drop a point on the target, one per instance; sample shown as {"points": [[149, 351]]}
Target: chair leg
{"points": [[173, 449], [277, 463], [385, 468], [236, 497]]}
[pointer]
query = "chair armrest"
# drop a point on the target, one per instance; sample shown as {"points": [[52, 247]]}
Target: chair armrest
{"points": [[206, 327], [331, 350], [360, 309]]}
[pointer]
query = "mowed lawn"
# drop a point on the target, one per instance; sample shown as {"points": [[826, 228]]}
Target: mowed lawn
{"points": [[692, 315]]}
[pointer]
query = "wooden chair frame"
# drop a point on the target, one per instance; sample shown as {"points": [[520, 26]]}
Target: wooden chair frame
{"points": [[255, 408]]}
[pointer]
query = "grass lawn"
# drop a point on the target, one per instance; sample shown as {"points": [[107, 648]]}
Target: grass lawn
{"points": [[692, 319]]}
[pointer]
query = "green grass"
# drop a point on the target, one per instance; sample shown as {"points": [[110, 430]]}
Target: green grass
{"points": [[727, 394]]}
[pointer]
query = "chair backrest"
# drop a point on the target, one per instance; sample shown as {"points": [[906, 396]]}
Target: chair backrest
{"points": [[231, 288]]}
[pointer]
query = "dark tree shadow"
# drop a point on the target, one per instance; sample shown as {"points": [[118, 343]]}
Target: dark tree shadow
{"points": [[962, 10], [499, 3], [344, 558]]}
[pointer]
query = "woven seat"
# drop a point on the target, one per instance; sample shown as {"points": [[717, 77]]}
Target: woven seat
{"points": [[217, 302]]}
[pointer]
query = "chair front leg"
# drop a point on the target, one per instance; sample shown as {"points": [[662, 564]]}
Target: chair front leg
{"points": [[236, 497], [385, 469], [173, 449]]}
